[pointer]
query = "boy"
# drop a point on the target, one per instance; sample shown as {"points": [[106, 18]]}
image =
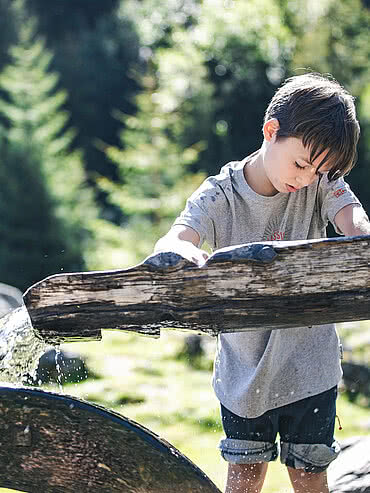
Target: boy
{"points": [[280, 381]]}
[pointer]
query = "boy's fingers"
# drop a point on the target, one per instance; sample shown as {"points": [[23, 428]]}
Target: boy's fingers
{"points": [[200, 261], [193, 254]]}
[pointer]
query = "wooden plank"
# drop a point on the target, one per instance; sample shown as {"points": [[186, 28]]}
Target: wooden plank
{"points": [[247, 287], [56, 443]]}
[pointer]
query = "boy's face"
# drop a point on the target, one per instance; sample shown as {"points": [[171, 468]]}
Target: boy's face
{"points": [[286, 163]]}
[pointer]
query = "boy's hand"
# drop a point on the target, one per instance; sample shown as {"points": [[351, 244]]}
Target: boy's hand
{"points": [[183, 241]]}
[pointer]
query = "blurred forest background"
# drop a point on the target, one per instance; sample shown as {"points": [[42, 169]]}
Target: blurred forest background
{"points": [[112, 112]]}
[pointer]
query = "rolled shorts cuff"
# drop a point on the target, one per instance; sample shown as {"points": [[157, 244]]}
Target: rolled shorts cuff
{"points": [[310, 457], [247, 451]]}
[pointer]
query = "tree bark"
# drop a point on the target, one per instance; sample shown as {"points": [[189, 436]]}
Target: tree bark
{"points": [[56, 443], [271, 285]]}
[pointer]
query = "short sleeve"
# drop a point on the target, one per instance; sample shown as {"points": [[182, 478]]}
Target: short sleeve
{"points": [[198, 213], [334, 196], [210, 209]]}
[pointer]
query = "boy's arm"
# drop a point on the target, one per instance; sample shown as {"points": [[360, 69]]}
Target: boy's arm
{"points": [[352, 221], [184, 241]]}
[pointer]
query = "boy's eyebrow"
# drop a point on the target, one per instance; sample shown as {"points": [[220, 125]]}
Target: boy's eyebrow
{"points": [[305, 160]]}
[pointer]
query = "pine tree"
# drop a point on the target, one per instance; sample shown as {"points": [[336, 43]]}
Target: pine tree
{"points": [[154, 170], [45, 207]]}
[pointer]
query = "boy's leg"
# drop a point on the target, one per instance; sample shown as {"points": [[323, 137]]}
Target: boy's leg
{"points": [[307, 441], [246, 478], [308, 482], [248, 447]]}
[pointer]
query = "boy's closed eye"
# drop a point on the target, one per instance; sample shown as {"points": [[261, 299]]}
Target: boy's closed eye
{"points": [[298, 166]]}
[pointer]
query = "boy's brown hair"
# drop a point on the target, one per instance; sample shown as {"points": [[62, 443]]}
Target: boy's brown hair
{"points": [[318, 110]]}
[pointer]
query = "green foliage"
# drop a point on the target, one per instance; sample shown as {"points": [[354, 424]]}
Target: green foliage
{"points": [[188, 114], [45, 207], [7, 30], [62, 16], [154, 173], [334, 38], [218, 69], [95, 52]]}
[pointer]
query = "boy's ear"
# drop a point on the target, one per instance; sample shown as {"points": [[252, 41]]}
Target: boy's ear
{"points": [[270, 128]]}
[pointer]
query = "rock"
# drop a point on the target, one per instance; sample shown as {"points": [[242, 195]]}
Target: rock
{"points": [[192, 352], [350, 472], [356, 379], [66, 367], [193, 346]]}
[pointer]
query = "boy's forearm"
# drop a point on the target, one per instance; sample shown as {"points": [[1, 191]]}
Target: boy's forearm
{"points": [[353, 221], [359, 228]]}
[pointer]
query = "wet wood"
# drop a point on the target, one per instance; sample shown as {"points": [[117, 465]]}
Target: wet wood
{"points": [[255, 286], [56, 443]]}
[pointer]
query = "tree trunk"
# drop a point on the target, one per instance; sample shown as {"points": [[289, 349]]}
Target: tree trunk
{"points": [[272, 285]]}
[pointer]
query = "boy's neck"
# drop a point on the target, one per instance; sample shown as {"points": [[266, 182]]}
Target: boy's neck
{"points": [[255, 176]]}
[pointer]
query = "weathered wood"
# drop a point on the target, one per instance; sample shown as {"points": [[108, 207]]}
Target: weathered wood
{"points": [[254, 286], [56, 443]]}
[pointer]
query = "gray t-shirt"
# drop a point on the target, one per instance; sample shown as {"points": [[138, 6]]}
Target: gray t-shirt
{"points": [[255, 371]]}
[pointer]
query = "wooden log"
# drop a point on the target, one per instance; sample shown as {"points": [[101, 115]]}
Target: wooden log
{"points": [[56, 443], [247, 287]]}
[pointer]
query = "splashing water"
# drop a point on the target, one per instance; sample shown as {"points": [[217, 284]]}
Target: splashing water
{"points": [[58, 368], [20, 347]]}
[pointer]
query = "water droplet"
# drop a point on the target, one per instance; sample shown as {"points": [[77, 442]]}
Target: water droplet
{"points": [[316, 410], [58, 357], [257, 391]]}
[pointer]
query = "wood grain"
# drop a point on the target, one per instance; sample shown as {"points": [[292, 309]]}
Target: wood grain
{"points": [[56, 443], [269, 285]]}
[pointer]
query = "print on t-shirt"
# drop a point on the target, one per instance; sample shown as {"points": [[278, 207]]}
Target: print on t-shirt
{"points": [[274, 230]]}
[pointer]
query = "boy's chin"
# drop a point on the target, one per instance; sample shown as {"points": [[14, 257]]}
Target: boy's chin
{"points": [[281, 188]]}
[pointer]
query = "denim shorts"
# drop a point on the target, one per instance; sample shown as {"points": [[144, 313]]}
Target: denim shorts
{"points": [[306, 429]]}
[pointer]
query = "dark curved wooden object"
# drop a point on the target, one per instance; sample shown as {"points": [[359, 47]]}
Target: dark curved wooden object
{"points": [[247, 287], [56, 443]]}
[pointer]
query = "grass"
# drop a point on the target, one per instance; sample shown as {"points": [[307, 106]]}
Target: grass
{"points": [[141, 378]]}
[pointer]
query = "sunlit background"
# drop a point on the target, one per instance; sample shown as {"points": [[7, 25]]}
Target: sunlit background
{"points": [[111, 113]]}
